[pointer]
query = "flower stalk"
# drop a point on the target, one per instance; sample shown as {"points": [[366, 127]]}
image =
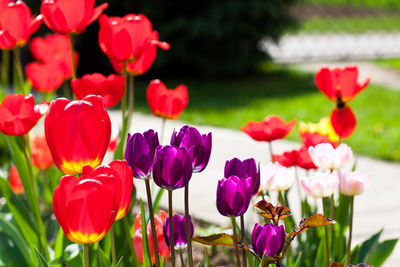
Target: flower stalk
{"points": [[153, 225], [242, 229], [348, 258], [235, 241], [86, 255], [171, 229], [187, 227], [326, 233]]}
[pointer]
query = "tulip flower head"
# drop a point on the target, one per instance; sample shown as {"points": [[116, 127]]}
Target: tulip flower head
{"points": [[70, 16], [164, 102], [18, 114], [270, 129], [302, 159], [15, 181], [163, 248], [320, 184], [111, 88], [353, 183], [268, 240], [199, 146], [326, 157], [86, 208], [78, 133], [16, 24], [172, 167], [140, 151], [246, 170], [312, 134], [179, 228], [233, 196], [275, 177], [41, 155], [343, 121], [144, 62], [126, 39], [45, 77]]}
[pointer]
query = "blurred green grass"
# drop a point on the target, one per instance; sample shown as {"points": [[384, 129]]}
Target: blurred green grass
{"points": [[354, 24], [290, 94], [392, 63], [383, 4]]}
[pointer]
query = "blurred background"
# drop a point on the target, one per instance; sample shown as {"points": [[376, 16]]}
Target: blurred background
{"points": [[243, 60]]}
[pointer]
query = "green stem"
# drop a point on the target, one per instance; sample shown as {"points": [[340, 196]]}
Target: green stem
{"points": [[86, 255], [131, 103], [153, 225], [281, 199], [171, 228], [114, 258], [66, 90], [326, 234], [19, 69], [348, 258], [128, 233], [71, 41], [270, 150], [187, 226], [5, 67], [181, 256], [242, 229], [298, 189], [235, 241], [36, 209]]}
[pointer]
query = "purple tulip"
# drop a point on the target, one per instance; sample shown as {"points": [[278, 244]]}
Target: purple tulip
{"points": [[180, 240], [233, 196], [245, 170], [199, 146], [268, 239], [140, 152], [172, 167]]}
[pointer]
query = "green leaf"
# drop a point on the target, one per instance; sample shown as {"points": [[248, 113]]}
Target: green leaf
{"points": [[103, 258], [320, 260], [157, 200], [368, 246], [382, 252], [42, 261], [20, 214], [11, 257], [59, 246], [298, 260], [206, 263], [145, 242], [7, 227], [120, 262], [216, 239]]}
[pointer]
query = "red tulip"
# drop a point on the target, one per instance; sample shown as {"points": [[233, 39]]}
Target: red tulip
{"points": [[45, 77], [111, 89], [113, 143], [70, 16], [54, 48], [86, 208], [78, 133], [340, 83], [167, 103], [126, 177], [18, 114], [41, 155], [16, 24], [302, 159], [343, 121], [286, 159], [163, 248], [15, 181], [144, 62], [126, 39], [270, 129]]}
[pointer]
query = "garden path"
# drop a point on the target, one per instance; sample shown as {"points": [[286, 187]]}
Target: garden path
{"points": [[377, 208]]}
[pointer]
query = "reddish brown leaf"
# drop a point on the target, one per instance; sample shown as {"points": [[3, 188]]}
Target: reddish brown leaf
{"points": [[217, 239]]}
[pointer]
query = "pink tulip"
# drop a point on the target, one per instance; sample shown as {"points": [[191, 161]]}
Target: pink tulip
{"points": [[320, 184], [275, 177], [353, 183], [326, 157]]}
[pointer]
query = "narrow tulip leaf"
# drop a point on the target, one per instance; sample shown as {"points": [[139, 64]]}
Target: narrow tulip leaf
{"points": [[10, 256], [120, 262], [298, 260], [145, 241], [20, 214], [382, 252], [7, 227], [206, 263], [368, 247], [103, 259], [157, 200], [59, 247], [320, 259], [42, 261], [216, 239], [310, 222]]}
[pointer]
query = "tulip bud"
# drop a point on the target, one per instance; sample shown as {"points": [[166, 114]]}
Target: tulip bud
{"points": [[179, 226], [320, 184], [233, 196], [353, 183], [268, 240], [275, 177], [244, 170], [326, 157]]}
